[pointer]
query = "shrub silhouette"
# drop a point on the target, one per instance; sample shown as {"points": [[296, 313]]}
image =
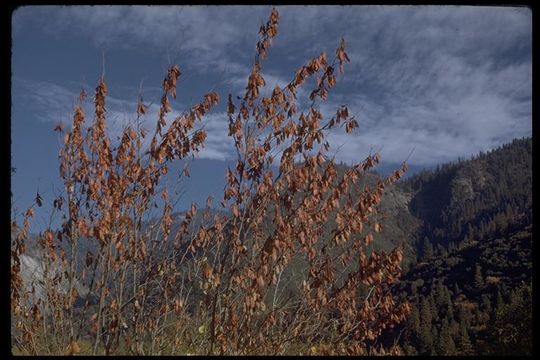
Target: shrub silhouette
{"points": [[215, 286]]}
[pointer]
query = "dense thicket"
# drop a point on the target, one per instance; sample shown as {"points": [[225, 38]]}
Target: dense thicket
{"points": [[156, 282]]}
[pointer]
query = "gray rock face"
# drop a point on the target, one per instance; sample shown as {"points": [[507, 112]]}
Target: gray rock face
{"points": [[33, 279], [462, 189]]}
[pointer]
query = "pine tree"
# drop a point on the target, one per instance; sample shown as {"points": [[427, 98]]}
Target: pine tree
{"points": [[441, 250], [427, 249], [486, 303], [439, 294], [463, 344], [483, 230], [464, 316], [411, 332], [425, 338], [471, 233], [454, 328], [499, 303], [478, 278], [435, 336], [446, 345], [433, 307], [457, 290]]}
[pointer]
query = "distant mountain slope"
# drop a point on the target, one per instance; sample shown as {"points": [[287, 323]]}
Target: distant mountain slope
{"points": [[458, 201], [471, 289]]}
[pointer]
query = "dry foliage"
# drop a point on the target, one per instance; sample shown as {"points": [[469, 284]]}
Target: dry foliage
{"points": [[213, 287]]}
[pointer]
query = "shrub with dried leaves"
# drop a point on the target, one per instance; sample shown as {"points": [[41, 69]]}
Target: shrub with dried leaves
{"points": [[214, 286]]}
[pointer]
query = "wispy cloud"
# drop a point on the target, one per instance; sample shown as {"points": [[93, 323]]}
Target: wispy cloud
{"points": [[55, 104], [447, 81]]}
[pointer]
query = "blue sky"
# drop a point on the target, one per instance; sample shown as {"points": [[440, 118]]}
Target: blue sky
{"points": [[447, 81]]}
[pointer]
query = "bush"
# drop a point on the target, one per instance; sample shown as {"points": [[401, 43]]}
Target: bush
{"points": [[216, 287]]}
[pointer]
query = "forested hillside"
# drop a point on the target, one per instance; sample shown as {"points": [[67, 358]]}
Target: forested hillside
{"points": [[473, 199], [471, 287]]}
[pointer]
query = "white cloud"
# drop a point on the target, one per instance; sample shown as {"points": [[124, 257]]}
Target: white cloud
{"points": [[449, 81], [55, 104]]}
